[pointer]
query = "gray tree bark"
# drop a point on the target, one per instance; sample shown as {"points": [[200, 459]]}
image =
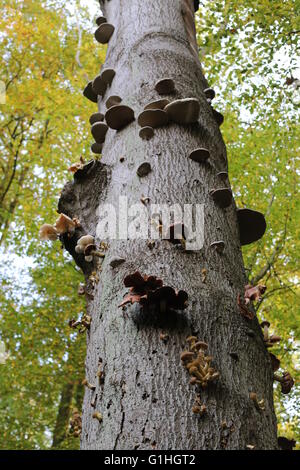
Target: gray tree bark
{"points": [[146, 399]]}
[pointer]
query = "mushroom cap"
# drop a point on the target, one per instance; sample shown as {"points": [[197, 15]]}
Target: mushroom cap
{"points": [[184, 111], [48, 232], [104, 32], [107, 75], [223, 175], [88, 258], [99, 130], [209, 93], [144, 169], [158, 104], [201, 345], [96, 148], [275, 362], [222, 197], [146, 133], [89, 248], [96, 117], [199, 155], [175, 233], [252, 225], [99, 86], [100, 20], [64, 224], [165, 86], [119, 116], [89, 93], [116, 261], [218, 245], [86, 240], [265, 323], [75, 167], [153, 118], [112, 101], [219, 118]]}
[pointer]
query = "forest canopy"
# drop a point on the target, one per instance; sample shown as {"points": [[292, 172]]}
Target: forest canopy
{"points": [[248, 52]]}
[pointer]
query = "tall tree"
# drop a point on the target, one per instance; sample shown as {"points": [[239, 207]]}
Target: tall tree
{"points": [[144, 398]]}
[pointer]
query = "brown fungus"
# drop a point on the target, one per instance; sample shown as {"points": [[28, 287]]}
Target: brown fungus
{"points": [[100, 20], [153, 118], [218, 246], [98, 416], [96, 117], [252, 225], [222, 197], [165, 86], [275, 362], [113, 100], [99, 86], [149, 290], [104, 32], [259, 404], [286, 382], [198, 364], [96, 148], [143, 170], [209, 93], [99, 130], [86, 383], [119, 116], [254, 293], [199, 155], [89, 93], [146, 133], [185, 111]]}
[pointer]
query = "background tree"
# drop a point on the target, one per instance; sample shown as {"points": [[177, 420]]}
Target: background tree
{"points": [[248, 54]]}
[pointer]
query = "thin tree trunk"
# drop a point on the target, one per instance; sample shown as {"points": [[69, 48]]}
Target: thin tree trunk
{"points": [[63, 415], [146, 399]]}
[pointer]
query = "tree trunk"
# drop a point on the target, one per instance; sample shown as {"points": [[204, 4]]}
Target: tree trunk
{"points": [[146, 399]]}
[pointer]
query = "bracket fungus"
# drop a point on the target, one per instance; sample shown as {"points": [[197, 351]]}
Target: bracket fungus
{"points": [[116, 261], [252, 225], [99, 86], [153, 118], [86, 383], [113, 100], [89, 93], [119, 116], [244, 310], [96, 148], [99, 130], [219, 118], [86, 245], [176, 234], [149, 290], [96, 117], [286, 444], [286, 382], [146, 133], [199, 155], [75, 423], [209, 93], [197, 363], [254, 293], [143, 170], [223, 175], [158, 104], [63, 225], [100, 20], [185, 111], [165, 86], [222, 197], [104, 32], [259, 404], [275, 362], [107, 76], [218, 246]]}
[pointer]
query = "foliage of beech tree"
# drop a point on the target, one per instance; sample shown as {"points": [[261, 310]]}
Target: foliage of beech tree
{"points": [[248, 53]]}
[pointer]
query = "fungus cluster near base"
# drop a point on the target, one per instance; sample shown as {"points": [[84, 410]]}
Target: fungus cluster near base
{"points": [[149, 290]]}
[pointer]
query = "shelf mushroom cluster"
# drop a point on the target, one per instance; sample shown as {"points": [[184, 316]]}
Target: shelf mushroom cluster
{"points": [[63, 225], [197, 363]]}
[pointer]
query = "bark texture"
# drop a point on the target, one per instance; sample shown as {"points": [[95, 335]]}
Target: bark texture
{"points": [[146, 399]]}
